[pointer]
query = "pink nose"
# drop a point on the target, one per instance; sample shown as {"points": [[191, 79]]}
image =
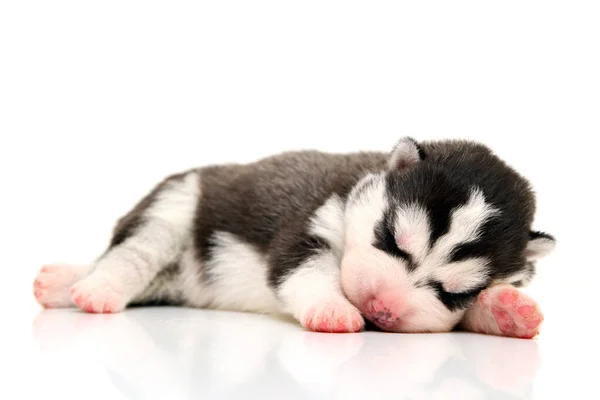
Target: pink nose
{"points": [[383, 312]]}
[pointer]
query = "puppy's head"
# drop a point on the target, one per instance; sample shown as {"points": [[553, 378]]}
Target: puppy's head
{"points": [[446, 220]]}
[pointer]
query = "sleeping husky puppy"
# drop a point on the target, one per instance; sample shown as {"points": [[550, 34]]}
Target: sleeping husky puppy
{"points": [[429, 237]]}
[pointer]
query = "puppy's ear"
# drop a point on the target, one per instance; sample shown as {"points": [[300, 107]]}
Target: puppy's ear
{"points": [[540, 245], [406, 153]]}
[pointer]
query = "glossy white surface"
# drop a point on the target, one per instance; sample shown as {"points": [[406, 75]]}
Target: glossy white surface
{"points": [[176, 353]]}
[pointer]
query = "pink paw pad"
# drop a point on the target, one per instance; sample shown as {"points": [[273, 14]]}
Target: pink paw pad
{"points": [[515, 313], [98, 295], [334, 318]]}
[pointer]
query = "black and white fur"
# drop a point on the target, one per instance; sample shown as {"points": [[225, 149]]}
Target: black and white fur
{"points": [[405, 239]]}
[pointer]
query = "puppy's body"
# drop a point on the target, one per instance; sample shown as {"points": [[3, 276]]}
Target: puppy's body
{"points": [[248, 226], [407, 239]]}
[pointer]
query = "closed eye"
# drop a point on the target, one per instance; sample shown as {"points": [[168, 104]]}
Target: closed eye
{"points": [[455, 301], [385, 241]]}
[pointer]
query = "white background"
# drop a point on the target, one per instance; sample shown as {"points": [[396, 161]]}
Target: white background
{"points": [[99, 100]]}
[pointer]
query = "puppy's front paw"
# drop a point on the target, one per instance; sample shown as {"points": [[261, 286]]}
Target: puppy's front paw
{"points": [[99, 294], [515, 313], [335, 316]]}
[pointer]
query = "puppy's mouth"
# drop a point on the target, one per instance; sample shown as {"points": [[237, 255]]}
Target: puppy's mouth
{"points": [[382, 322], [370, 326]]}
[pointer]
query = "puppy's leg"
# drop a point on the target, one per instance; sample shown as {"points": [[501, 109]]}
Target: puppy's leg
{"points": [[312, 293], [503, 310], [145, 241]]}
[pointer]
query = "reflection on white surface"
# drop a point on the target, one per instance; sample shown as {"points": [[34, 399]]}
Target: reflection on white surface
{"points": [[179, 353]]}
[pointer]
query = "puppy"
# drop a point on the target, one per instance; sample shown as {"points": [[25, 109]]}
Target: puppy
{"points": [[429, 237]]}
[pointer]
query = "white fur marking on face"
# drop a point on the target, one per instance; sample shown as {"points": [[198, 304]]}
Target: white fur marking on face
{"points": [[465, 224], [364, 210], [412, 231], [467, 220], [238, 276], [452, 286], [328, 223], [430, 314], [462, 276]]}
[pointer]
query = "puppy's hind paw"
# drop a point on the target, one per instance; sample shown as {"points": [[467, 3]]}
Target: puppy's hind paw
{"points": [[99, 294], [52, 283]]}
